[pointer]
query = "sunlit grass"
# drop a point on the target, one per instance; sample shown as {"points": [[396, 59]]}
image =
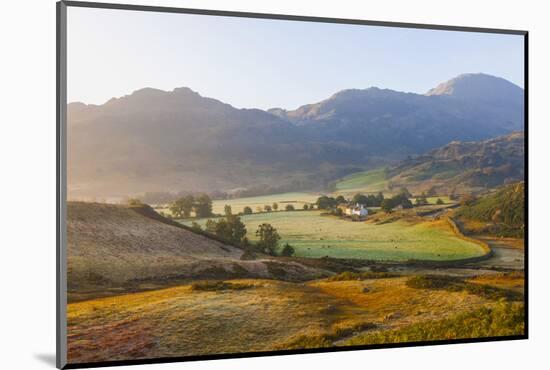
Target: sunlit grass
{"points": [[313, 235]]}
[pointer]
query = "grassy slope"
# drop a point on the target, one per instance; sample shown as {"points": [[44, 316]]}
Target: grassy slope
{"points": [[366, 182], [313, 235], [508, 202], [114, 247], [266, 315], [502, 320]]}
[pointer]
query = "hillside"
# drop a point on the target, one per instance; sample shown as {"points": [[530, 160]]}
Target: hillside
{"points": [[465, 166], [154, 140], [501, 213], [115, 248], [460, 167]]}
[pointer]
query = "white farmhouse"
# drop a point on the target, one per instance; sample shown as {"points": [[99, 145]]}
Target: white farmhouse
{"points": [[358, 210]]}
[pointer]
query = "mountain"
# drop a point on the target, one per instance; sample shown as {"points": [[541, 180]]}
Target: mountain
{"points": [[469, 107], [464, 166], [480, 87], [154, 140]]}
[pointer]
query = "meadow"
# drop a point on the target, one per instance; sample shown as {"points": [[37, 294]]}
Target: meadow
{"points": [[367, 182], [313, 235], [296, 199], [260, 315]]}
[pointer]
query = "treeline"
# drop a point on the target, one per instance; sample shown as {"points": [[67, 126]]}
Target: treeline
{"points": [[401, 199], [231, 229]]}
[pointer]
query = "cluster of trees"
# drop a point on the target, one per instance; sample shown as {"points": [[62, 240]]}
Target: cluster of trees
{"points": [[330, 203], [231, 229], [400, 199], [200, 205], [370, 200]]}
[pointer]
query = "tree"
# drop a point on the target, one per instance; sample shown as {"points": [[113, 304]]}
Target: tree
{"points": [[287, 250], [210, 226], [231, 229], [269, 239], [227, 210], [402, 200], [203, 206], [238, 229], [340, 199], [196, 226], [259, 209], [267, 208], [289, 207], [325, 202], [379, 199], [305, 207], [182, 207], [405, 192], [275, 206], [439, 201], [247, 210], [387, 205], [359, 199], [134, 202]]}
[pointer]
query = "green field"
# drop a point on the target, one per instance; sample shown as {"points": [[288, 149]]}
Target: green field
{"points": [[367, 181], [296, 199], [317, 236]]}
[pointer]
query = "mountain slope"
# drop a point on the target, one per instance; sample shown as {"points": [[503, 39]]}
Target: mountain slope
{"points": [[469, 107], [116, 247], [503, 212], [462, 167], [155, 140]]}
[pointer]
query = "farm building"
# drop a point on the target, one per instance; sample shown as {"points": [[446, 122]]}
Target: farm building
{"points": [[358, 210]]}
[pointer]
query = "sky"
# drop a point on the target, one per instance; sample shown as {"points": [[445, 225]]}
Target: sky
{"points": [[260, 63]]}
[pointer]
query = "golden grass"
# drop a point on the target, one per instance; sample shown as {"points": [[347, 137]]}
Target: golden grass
{"points": [[264, 315], [180, 321]]}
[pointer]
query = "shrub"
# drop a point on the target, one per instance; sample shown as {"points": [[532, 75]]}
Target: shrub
{"points": [[364, 275], [287, 250], [212, 286]]}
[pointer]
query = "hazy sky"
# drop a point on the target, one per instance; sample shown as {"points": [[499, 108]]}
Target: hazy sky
{"points": [[258, 63]]}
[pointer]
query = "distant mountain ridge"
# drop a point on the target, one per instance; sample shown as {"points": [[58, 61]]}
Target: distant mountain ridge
{"points": [[154, 140]]}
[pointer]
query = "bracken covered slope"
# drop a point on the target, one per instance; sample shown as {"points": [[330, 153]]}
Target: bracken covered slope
{"points": [[112, 248]]}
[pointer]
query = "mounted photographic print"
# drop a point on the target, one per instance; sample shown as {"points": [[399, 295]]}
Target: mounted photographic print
{"points": [[238, 184]]}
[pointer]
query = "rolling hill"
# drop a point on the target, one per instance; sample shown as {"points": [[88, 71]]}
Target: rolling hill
{"points": [[112, 249], [154, 140], [460, 167], [501, 213]]}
